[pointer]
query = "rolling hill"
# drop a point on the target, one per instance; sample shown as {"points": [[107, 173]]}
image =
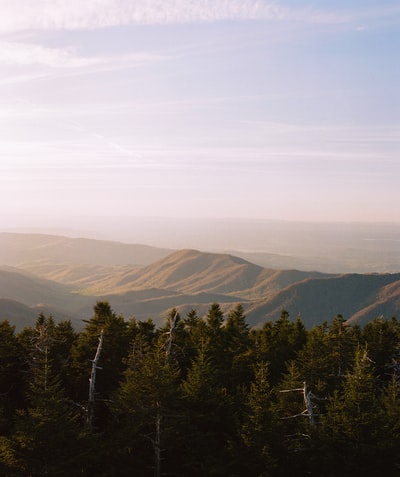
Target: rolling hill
{"points": [[22, 250]]}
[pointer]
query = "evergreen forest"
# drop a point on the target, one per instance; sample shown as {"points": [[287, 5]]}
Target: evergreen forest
{"points": [[201, 396]]}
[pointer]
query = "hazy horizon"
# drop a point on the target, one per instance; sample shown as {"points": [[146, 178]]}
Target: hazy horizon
{"points": [[266, 110], [324, 246]]}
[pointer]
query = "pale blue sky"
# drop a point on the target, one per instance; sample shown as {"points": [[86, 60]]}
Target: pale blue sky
{"points": [[200, 108]]}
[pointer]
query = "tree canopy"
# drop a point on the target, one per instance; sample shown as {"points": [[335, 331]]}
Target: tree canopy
{"points": [[201, 395]]}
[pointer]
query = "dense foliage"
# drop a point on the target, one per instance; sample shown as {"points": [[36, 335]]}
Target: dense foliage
{"points": [[201, 396]]}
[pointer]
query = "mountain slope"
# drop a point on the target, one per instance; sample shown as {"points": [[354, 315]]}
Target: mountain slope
{"points": [[317, 300], [32, 290], [386, 303], [191, 271], [17, 313], [23, 297]]}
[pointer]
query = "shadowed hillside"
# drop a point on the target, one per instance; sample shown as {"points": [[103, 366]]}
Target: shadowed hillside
{"points": [[17, 313], [23, 297], [354, 296], [33, 290]]}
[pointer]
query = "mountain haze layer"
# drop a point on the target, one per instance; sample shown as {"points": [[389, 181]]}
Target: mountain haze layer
{"points": [[19, 249]]}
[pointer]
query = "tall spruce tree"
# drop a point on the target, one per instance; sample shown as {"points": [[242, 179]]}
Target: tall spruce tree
{"points": [[238, 349], [47, 437], [11, 375], [145, 404], [382, 338], [258, 428], [351, 425]]}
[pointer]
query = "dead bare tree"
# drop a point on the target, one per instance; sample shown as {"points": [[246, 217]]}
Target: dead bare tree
{"points": [[92, 383], [157, 441], [171, 333], [309, 410]]}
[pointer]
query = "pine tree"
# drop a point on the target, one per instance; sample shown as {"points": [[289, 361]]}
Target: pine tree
{"points": [[47, 435], [143, 404], [258, 428], [314, 360], [279, 342], [64, 338], [238, 371], [352, 421], [207, 410], [382, 338], [212, 336], [342, 340], [11, 375], [388, 439], [295, 422]]}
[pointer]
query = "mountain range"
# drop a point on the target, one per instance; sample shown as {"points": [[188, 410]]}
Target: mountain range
{"points": [[65, 277]]}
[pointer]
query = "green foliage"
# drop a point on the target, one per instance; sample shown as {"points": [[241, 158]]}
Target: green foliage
{"points": [[259, 429], [11, 374], [353, 420], [342, 341], [201, 396], [279, 342], [46, 435], [382, 337]]}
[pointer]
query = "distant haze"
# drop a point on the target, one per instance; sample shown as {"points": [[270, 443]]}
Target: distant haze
{"points": [[325, 246], [283, 110]]}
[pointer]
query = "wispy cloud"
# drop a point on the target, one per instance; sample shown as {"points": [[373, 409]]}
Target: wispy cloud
{"points": [[26, 62], [52, 15], [28, 54], [20, 15]]}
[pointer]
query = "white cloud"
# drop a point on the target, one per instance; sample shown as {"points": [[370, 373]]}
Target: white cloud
{"points": [[20, 15]]}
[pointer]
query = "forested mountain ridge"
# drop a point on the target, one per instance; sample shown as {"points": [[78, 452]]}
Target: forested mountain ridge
{"points": [[184, 279]]}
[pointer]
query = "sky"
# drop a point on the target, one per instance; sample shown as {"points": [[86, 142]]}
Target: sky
{"points": [[286, 109]]}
